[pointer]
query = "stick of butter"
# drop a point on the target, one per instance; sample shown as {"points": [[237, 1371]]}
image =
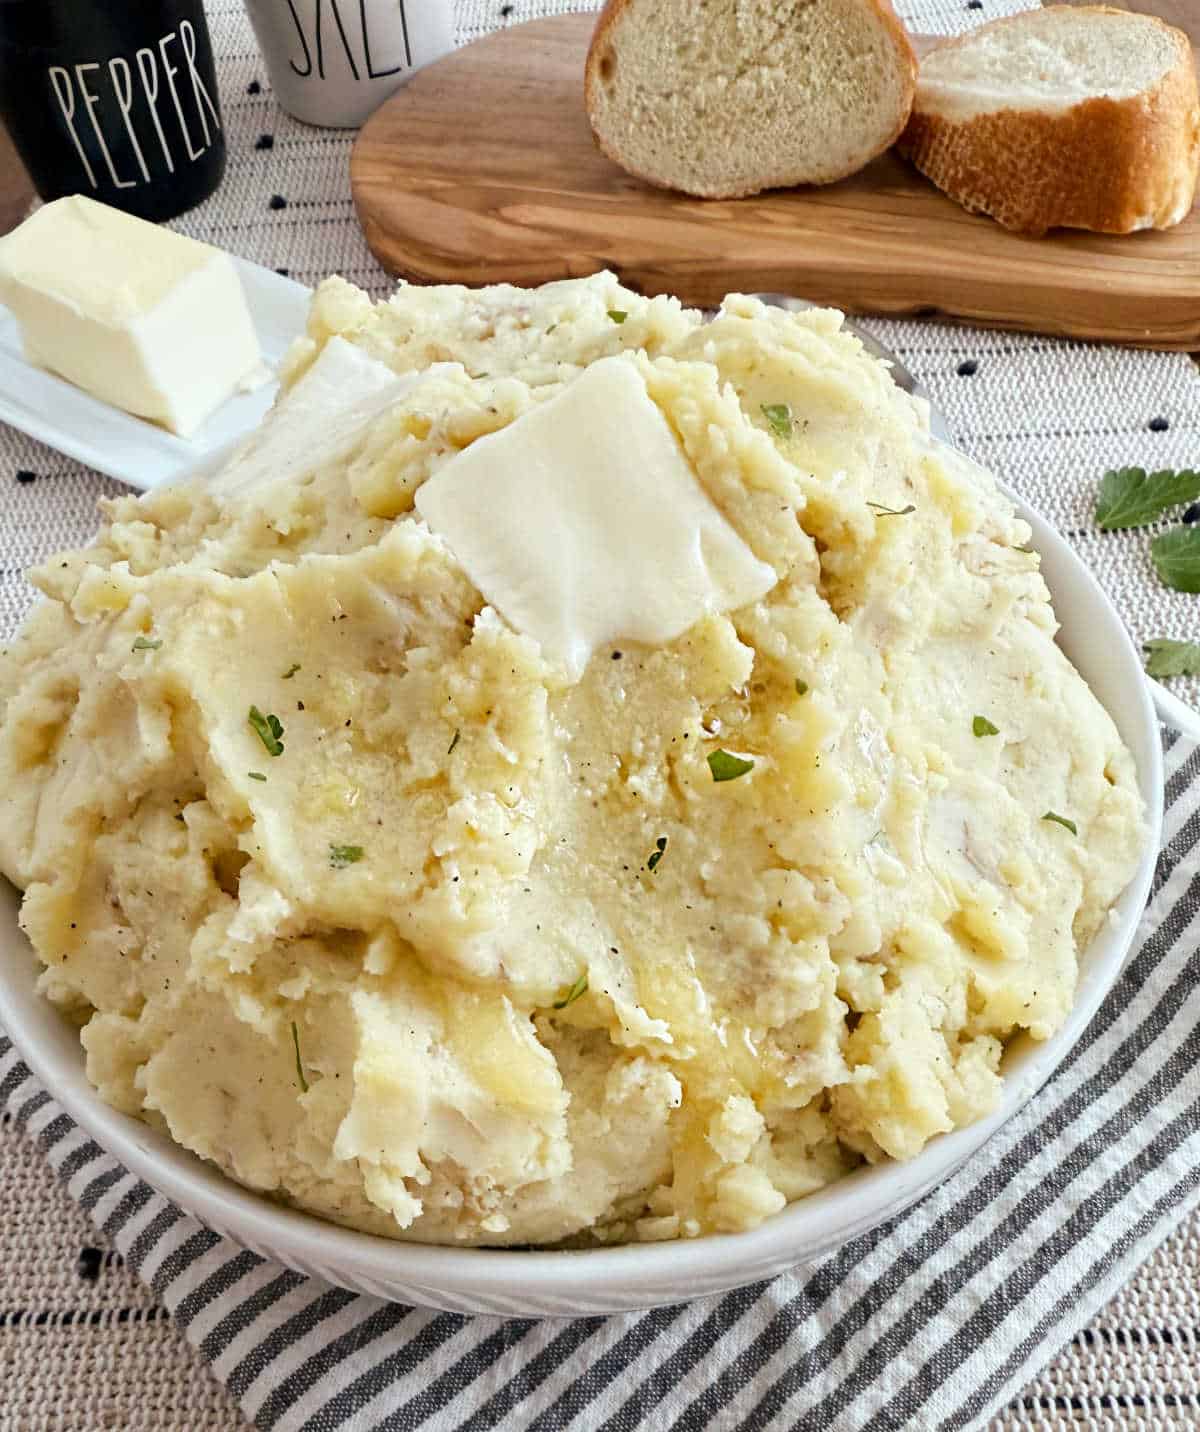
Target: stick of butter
{"points": [[583, 522], [139, 316]]}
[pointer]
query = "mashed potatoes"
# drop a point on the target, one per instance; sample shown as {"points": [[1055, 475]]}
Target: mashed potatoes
{"points": [[360, 896]]}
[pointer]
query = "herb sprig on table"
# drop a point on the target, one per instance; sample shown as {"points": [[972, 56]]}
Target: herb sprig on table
{"points": [[1165, 657], [1132, 497], [1176, 558]]}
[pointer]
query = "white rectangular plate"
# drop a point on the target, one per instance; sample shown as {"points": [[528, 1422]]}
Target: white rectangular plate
{"points": [[128, 448]]}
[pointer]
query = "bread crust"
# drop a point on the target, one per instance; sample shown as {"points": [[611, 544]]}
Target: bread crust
{"points": [[1111, 166], [610, 18]]}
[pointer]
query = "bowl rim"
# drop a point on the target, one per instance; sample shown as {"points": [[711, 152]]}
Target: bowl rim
{"points": [[638, 1274]]}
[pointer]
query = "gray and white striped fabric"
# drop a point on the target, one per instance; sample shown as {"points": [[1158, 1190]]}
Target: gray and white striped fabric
{"points": [[932, 1321], [935, 1320]]}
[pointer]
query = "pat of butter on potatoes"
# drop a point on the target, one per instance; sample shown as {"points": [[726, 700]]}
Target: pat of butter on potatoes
{"points": [[143, 318], [583, 522]]}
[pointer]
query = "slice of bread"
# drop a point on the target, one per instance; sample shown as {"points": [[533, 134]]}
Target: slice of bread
{"points": [[723, 98], [1085, 117]]}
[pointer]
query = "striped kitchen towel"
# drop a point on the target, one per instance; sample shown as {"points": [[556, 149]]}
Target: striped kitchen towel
{"points": [[932, 1321]]}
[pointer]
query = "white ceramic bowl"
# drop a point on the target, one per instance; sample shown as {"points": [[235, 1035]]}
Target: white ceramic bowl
{"points": [[643, 1275]]}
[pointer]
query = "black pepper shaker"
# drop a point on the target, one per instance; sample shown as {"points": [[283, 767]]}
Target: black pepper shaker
{"points": [[115, 99]]}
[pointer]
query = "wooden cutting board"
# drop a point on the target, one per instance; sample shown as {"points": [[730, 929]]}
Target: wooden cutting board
{"points": [[483, 170]]}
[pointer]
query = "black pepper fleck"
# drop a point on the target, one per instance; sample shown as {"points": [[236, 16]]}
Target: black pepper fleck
{"points": [[90, 1262], [276, 201], [1159, 425], [254, 87], [265, 141], [24, 475], [284, 271], [968, 368]]}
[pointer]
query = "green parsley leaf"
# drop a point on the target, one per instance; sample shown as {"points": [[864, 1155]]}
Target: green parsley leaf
{"points": [[779, 415], [1129, 497], [342, 855], [801, 687], [451, 746], [143, 643], [1165, 657], [299, 1064], [1176, 558], [291, 671], [1061, 820], [659, 852], [618, 315], [256, 775], [725, 767], [983, 727], [883, 511], [270, 731], [577, 991]]}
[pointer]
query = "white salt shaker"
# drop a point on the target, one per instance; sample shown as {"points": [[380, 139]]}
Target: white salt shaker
{"points": [[332, 62]]}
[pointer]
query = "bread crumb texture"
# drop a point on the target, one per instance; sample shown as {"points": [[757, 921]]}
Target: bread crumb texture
{"points": [[396, 950], [728, 97]]}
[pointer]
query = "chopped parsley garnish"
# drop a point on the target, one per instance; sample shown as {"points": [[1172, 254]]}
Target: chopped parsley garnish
{"points": [[725, 767], [270, 731], [779, 415], [453, 743], [1165, 657], [618, 315], [882, 511], [1176, 558], [299, 1064], [342, 855], [291, 671], [1061, 820], [801, 687], [143, 643], [1131, 497], [256, 775], [577, 991], [983, 727], [659, 851]]}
